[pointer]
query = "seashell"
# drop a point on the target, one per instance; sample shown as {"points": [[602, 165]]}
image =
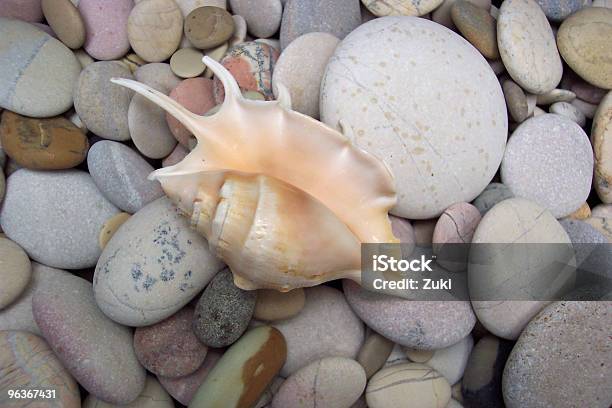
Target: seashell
{"points": [[283, 199]]}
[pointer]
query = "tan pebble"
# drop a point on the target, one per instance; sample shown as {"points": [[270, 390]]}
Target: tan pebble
{"points": [[603, 225], [374, 353], [155, 28], [110, 227], [516, 101], [15, 271], [442, 15], [383, 8], [588, 109], [477, 26], [531, 103], [569, 111], [419, 356], [187, 63], [556, 95], [456, 392], [273, 305], [132, 62], [601, 139], [217, 54], [65, 21], [581, 213], [83, 57], [208, 27]]}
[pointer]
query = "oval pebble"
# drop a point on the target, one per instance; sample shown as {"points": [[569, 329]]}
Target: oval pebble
{"points": [[187, 6], [587, 92], [374, 353], [274, 305], [155, 28], [110, 227], [95, 350], [195, 95], [102, 105], [152, 396], [559, 10], [328, 382], [106, 26], [516, 100], [549, 160], [601, 138], [26, 10], [39, 73], [442, 14], [66, 21], [15, 271], [309, 337], [419, 356], [223, 312], [187, 63], [383, 8], [556, 95], [154, 265], [451, 361], [477, 26], [587, 109], [178, 154], [208, 27], [263, 20], [569, 111], [492, 194], [27, 362], [455, 226]]}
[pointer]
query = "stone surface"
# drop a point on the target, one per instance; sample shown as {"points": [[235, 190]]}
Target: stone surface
{"points": [[110, 227], [15, 271], [455, 227], [587, 109], [583, 41], [442, 14], [328, 382], [603, 225], [429, 140], [569, 111], [531, 59], [55, 216], [223, 312], [42, 144], [178, 154], [26, 10], [451, 361], [38, 71], [152, 396], [300, 69], [559, 10], [274, 305], [383, 8], [556, 95], [516, 100], [337, 17], [602, 211], [549, 161], [152, 267], [263, 18], [587, 92], [155, 28], [66, 21], [493, 194], [121, 175], [102, 105], [208, 27], [187, 63], [27, 362], [374, 353], [95, 350], [397, 356], [423, 231], [309, 337], [601, 138], [477, 25], [581, 213], [106, 27], [196, 95], [562, 359], [419, 356]]}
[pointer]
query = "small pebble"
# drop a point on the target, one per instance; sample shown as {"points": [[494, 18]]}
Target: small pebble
{"points": [[196, 95], [451, 361], [442, 14], [66, 21], [423, 231], [559, 10], [273, 305], [110, 227], [602, 211], [263, 18], [587, 109], [187, 63], [588, 93], [581, 213], [106, 27], [374, 353], [419, 356], [208, 27], [455, 226], [477, 26], [383, 8], [569, 111], [493, 194], [516, 101], [15, 271], [601, 137], [556, 95], [155, 28], [178, 154]]}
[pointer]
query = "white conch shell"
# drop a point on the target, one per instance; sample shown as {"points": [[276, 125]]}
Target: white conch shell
{"points": [[283, 199]]}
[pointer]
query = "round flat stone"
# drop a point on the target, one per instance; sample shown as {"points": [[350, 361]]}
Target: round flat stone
{"points": [[195, 95], [601, 137], [154, 29], [187, 63], [26, 10], [429, 140], [493, 194], [106, 26], [263, 20], [15, 271], [477, 25], [208, 27], [39, 72], [66, 21], [559, 10], [383, 8], [274, 305], [110, 227], [549, 160], [531, 59], [442, 14]]}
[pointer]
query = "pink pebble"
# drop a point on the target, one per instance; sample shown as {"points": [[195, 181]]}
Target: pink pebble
{"points": [[176, 156], [456, 225], [106, 25], [26, 10]]}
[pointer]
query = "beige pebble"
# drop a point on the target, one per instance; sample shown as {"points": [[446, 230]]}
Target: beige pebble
{"points": [[155, 28], [556, 95], [274, 305], [516, 101], [581, 213], [110, 227], [477, 26], [217, 54], [588, 109], [83, 57], [601, 139], [132, 61], [531, 103], [442, 15], [603, 225], [187, 63], [374, 353], [208, 27], [419, 356], [15, 271], [537, 111], [65, 21], [569, 111]]}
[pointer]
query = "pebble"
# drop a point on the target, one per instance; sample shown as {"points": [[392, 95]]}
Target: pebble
{"points": [[273, 305], [26, 10], [477, 25], [170, 348], [152, 267], [155, 28], [152, 396], [456, 225], [601, 137], [491, 195], [263, 18], [196, 95], [517, 221], [591, 258], [587, 109], [414, 139], [223, 312], [55, 216], [569, 111], [556, 95], [602, 211], [38, 73], [240, 31], [178, 154], [581, 213], [603, 225], [535, 375], [328, 382], [110, 227], [583, 41], [425, 325], [241, 376], [252, 64], [516, 100], [481, 384], [559, 10], [215, 53], [42, 144], [187, 6], [391, 387], [2, 183], [374, 353], [337, 17], [133, 61], [187, 63], [27, 362], [397, 356], [419, 356], [531, 59], [383, 8], [451, 361], [83, 57], [587, 92], [95, 350], [102, 105], [66, 21], [106, 27], [423, 232], [549, 160], [442, 14], [310, 338], [208, 27], [405, 232], [300, 69], [15, 271], [602, 3]]}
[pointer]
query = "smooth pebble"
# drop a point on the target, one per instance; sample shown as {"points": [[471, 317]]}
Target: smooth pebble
{"points": [[152, 396], [263, 18], [383, 8], [110, 227], [196, 95], [106, 27], [601, 138], [374, 353], [451, 361], [491, 195], [155, 28], [15, 271], [26, 10], [66, 21], [569, 111], [274, 305]]}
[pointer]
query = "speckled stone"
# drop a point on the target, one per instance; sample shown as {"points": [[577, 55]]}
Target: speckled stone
{"points": [[152, 267], [121, 175], [451, 361], [170, 348], [549, 160], [300, 69], [95, 350], [456, 225], [55, 216], [417, 383], [223, 312], [27, 362], [274, 305], [428, 140], [38, 71], [110, 227], [328, 382], [152, 396], [263, 18], [374, 353], [602, 211], [569, 111], [66, 22], [562, 359], [309, 337], [531, 59], [155, 28], [556, 95], [26, 10], [601, 137], [106, 26], [442, 14], [424, 324], [516, 100], [583, 41], [383, 8], [196, 95], [337, 17], [559, 10], [477, 25], [518, 221], [493, 194], [102, 105], [15, 271], [481, 384]]}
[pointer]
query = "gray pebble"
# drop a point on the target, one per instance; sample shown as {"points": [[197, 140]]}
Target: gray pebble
{"points": [[558, 10], [263, 17], [493, 194]]}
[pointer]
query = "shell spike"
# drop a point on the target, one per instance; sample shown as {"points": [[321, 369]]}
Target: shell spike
{"points": [[232, 90]]}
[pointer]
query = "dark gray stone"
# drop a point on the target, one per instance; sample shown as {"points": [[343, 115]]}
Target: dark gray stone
{"points": [[492, 194]]}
